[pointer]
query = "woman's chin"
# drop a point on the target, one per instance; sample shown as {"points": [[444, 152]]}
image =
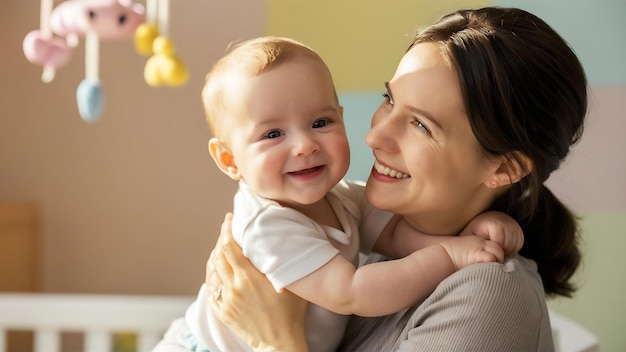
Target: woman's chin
{"points": [[376, 193]]}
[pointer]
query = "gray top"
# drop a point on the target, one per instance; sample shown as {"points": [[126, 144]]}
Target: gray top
{"points": [[483, 307]]}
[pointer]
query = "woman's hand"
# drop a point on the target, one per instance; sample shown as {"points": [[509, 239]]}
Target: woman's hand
{"points": [[244, 300]]}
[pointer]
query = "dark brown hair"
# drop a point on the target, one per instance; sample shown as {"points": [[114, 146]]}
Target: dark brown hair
{"points": [[524, 91]]}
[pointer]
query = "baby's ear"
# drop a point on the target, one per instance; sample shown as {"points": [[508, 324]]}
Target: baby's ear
{"points": [[223, 158]]}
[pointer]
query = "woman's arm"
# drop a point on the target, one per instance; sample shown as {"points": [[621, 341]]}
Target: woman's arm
{"points": [[248, 304]]}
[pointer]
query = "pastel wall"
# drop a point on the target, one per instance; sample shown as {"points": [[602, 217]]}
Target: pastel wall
{"points": [[132, 203]]}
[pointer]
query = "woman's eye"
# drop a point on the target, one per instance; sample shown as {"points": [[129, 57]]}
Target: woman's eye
{"points": [[272, 134], [321, 123], [420, 125], [388, 98]]}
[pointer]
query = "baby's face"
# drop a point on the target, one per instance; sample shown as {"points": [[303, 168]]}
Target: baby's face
{"points": [[288, 137]]}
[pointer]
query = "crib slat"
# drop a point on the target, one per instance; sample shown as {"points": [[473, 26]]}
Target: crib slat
{"points": [[146, 340], [3, 339], [47, 340], [97, 340], [47, 315]]}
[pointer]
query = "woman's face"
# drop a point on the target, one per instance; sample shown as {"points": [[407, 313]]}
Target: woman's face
{"points": [[428, 165]]}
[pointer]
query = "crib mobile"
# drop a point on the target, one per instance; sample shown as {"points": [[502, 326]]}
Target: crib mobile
{"points": [[62, 27]]}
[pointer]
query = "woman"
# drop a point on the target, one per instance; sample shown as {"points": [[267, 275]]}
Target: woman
{"points": [[483, 106]]}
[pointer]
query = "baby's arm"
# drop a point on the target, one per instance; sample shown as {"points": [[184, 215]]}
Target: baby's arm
{"points": [[398, 239], [497, 227], [387, 287]]}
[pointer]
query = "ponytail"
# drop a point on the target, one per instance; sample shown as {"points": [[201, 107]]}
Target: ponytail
{"points": [[551, 237]]}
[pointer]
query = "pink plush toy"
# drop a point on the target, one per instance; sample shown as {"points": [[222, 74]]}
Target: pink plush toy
{"points": [[109, 19], [42, 48]]}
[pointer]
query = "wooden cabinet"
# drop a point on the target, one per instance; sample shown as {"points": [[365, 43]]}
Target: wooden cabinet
{"points": [[19, 247], [19, 259]]}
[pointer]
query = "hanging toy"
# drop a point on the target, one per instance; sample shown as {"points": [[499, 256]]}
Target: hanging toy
{"points": [[94, 20], [42, 48], [89, 95], [147, 32], [163, 67]]}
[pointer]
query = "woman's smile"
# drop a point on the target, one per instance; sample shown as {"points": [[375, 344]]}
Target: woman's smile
{"points": [[386, 171]]}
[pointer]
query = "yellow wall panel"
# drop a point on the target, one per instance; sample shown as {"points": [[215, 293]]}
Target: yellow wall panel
{"points": [[361, 40]]}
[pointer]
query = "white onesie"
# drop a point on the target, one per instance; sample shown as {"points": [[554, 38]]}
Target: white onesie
{"points": [[286, 246]]}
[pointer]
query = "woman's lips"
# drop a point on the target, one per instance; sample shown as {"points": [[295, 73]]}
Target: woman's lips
{"points": [[387, 171]]}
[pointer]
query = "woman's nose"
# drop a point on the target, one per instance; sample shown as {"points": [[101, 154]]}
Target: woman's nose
{"points": [[382, 133]]}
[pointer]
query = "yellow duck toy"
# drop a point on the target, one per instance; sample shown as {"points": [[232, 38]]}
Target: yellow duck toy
{"points": [[164, 67]]}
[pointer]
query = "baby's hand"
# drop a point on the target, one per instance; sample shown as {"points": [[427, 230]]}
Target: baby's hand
{"points": [[467, 250], [497, 227]]}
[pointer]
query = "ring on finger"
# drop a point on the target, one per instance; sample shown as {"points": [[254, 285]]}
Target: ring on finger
{"points": [[218, 293]]}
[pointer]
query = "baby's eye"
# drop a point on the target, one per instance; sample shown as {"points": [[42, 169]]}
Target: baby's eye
{"points": [[388, 98], [272, 134], [321, 123]]}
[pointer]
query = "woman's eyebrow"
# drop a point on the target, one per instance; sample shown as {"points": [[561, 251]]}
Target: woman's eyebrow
{"points": [[415, 110]]}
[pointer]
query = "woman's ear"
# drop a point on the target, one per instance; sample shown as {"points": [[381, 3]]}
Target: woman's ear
{"points": [[513, 167], [223, 158]]}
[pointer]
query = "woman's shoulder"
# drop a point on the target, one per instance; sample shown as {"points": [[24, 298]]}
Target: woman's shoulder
{"points": [[516, 270], [500, 303], [515, 267], [483, 307], [515, 284]]}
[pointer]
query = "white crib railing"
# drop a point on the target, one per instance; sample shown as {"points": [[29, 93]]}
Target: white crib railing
{"points": [[96, 316]]}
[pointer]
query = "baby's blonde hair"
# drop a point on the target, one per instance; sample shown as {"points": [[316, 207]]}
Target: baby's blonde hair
{"points": [[249, 58]]}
